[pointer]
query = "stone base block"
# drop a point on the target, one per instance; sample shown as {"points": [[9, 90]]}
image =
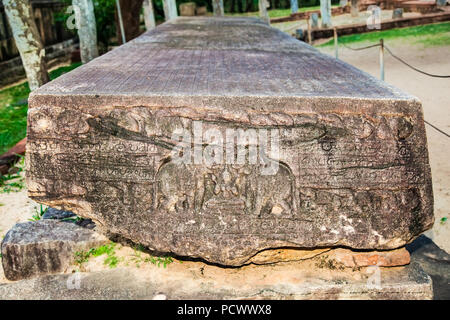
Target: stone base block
{"points": [[196, 280], [44, 247]]}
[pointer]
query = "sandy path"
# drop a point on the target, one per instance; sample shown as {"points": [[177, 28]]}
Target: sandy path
{"points": [[435, 96]]}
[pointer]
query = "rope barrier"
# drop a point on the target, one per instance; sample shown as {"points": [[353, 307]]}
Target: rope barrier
{"points": [[414, 68], [437, 129], [362, 48], [398, 58], [410, 66]]}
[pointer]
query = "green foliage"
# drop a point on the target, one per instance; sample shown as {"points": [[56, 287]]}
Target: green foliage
{"points": [[158, 261], [443, 220], [72, 219], [38, 213], [13, 110], [104, 11], [111, 260], [427, 35]]}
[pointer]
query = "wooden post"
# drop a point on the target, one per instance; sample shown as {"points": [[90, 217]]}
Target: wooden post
{"points": [[263, 14], [336, 54], [294, 6], [218, 8], [149, 15], [28, 41], [325, 12], [87, 30], [170, 9], [309, 30], [381, 59]]}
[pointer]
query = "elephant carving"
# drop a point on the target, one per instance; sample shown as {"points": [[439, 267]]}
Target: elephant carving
{"points": [[235, 189]]}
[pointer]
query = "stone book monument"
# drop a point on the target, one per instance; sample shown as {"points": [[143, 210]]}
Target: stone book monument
{"points": [[221, 138]]}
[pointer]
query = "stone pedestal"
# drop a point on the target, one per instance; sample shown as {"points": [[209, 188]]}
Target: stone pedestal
{"points": [[314, 20], [195, 280], [38, 249], [188, 9]]}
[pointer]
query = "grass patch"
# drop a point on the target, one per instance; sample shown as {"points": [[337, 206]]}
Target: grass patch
{"points": [[38, 213], [437, 34], [111, 260], [14, 107]]}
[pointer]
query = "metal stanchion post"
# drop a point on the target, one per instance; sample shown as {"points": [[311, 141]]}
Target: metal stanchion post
{"points": [[335, 43], [381, 59]]}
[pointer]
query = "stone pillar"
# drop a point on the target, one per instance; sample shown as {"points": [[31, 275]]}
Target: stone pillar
{"points": [[314, 20], [87, 30], [343, 3], [325, 12], [149, 15], [170, 9], [263, 14], [218, 8], [294, 6], [28, 41], [397, 13], [354, 10]]}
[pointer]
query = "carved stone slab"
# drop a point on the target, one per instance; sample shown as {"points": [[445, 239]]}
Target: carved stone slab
{"points": [[352, 154]]}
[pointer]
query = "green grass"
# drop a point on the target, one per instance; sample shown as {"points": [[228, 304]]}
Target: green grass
{"points": [[111, 260], [276, 13], [428, 35], [38, 213], [13, 110]]}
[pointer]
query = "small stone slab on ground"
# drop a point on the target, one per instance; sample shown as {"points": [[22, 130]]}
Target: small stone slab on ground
{"points": [[44, 247]]}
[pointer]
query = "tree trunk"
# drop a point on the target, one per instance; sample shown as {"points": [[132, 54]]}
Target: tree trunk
{"points": [[149, 15], [263, 14], [218, 8], [130, 10], [354, 10], [87, 30], [170, 9], [294, 6], [325, 12], [28, 41]]}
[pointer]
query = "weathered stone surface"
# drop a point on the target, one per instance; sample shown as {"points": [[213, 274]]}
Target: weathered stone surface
{"points": [[353, 162], [44, 247], [284, 255], [343, 257], [351, 259], [196, 280]]}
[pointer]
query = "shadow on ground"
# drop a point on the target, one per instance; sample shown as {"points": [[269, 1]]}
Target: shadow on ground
{"points": [[435, 262]]}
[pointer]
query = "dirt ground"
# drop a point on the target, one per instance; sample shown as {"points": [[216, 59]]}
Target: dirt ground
{"points": [[433, 92]]}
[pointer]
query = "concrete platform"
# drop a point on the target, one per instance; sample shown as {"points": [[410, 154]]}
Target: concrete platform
{"points": [[196, 280]]}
